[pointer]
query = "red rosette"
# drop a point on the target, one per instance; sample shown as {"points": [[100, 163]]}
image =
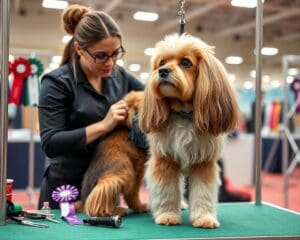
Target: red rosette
{"points": [[21, 69]]}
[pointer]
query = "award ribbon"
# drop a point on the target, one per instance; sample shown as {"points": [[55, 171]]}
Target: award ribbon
{"points": [[65, 195], [32, 88], [21, 70], [295, 87]]}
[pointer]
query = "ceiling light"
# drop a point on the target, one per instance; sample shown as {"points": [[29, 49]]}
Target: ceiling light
{"points": [[245, 3], [266, 78], [150, 51], [269, 51], [144, 76], [231, 77], [120, 62], [275, 84], [248, 85], [146, 16], [66, 38], [56, 59], [11, 58], [253, 73], [55, 4], [289, 79], [233, 60], [53, 65], [134, 67], [293, 71]]}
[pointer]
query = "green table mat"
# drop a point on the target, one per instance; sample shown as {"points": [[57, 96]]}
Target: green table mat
{"points": [[240, 220]]}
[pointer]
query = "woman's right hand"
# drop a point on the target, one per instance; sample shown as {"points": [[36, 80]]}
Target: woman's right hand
{"points": [[117, 114]]}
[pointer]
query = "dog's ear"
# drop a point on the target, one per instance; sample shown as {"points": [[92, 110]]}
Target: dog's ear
{"points": [[214, 98], [154, 112]]}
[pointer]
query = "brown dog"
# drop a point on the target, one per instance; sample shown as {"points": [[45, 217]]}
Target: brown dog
{"points": [[117, 168], [189, 106]]}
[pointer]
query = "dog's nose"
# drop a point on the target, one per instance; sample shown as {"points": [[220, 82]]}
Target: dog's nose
{"points": [[164, 72]]}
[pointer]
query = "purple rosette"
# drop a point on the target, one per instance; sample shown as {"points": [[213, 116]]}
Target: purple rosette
{"points": [[65, 195], [295, 87]]}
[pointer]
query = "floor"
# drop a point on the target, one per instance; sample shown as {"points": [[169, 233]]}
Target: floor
{"points": [[272, 192]]}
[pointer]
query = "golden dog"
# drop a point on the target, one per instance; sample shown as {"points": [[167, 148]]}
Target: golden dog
{"points": [[188, 106], [117, 168]]}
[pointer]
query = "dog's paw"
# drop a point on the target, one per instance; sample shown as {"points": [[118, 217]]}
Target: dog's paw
{"points": [[119, 211], [168, 219], [206, 221]]}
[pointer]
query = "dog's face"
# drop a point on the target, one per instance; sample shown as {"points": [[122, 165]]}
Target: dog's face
{"points": [[174, 72], [184, 69]]}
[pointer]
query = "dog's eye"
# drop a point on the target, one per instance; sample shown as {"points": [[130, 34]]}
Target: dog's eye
{"points": [[162, 62], [185, 62]]}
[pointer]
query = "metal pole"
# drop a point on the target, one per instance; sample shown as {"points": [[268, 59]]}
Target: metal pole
{"points": [[31, 150], [285, 151], [258, 108], [4, 34]]}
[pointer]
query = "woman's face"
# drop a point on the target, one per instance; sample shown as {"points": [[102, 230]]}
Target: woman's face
{"points": [[100, 58]]}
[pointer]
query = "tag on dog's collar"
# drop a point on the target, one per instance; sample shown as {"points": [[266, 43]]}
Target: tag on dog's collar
{"points": [[184, 115]]}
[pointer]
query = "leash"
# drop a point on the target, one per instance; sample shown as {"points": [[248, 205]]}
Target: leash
{"points": [[182, 17]]}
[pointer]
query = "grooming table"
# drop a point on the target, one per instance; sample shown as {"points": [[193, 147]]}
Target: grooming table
{"points": [[238, 221]]}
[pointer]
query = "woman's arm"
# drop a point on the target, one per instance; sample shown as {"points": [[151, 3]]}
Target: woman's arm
{"points": [[116, 114], [55, 103]]}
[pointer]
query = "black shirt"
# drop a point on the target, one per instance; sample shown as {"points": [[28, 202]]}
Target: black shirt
{"points": [[66, 106]]}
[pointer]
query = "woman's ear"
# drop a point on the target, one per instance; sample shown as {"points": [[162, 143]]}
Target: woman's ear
{"points": [[77, 48]]}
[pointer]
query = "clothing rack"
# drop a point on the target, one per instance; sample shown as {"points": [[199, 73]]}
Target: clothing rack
{"points": [[287, 137]]}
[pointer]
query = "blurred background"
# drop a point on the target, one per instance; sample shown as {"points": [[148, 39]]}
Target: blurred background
{"points": [[229, 25]]}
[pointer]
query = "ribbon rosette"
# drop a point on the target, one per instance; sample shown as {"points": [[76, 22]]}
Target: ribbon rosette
{"points": [[295, 87], [65, 195], [32, 88], [21, 70]]}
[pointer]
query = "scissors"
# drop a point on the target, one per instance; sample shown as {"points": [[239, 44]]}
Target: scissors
{"points": [[22, 220], [36, 215]]}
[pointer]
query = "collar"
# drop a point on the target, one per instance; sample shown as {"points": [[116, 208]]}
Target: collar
{"points": [[184, 115]]}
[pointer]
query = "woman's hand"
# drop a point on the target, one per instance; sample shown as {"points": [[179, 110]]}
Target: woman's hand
{"points": [[117, 114]]}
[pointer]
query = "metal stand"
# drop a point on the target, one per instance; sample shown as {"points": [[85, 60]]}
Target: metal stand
{"points": [[287, 137], [258, 61], [4, 40], [31, 151], [282, 130]]}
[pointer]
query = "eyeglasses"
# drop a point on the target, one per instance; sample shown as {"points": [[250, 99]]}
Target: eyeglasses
{"points": [[103, 57]]}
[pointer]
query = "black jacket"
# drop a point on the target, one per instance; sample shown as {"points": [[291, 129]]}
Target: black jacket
{"points": [[66, 107]]}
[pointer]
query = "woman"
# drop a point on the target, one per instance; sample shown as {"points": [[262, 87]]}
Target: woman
{"points": [[80, 101]]}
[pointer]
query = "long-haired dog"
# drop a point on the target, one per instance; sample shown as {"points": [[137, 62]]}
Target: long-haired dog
{"points": [[188, 106], [116, 168]]}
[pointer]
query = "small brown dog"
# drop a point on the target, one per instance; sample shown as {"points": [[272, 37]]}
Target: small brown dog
{"points": [[116, 168], [189, 106]]}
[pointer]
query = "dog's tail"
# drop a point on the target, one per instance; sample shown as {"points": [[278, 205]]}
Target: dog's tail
{"points": [[103, 198]]}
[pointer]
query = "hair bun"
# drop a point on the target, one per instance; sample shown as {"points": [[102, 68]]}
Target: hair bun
{"points": [[72, 15]]}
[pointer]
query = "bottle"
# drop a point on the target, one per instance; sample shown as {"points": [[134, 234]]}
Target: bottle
{"points": [[46, 208]]}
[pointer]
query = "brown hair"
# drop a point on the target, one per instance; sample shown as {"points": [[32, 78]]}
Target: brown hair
{"points": [[87, 27]]}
